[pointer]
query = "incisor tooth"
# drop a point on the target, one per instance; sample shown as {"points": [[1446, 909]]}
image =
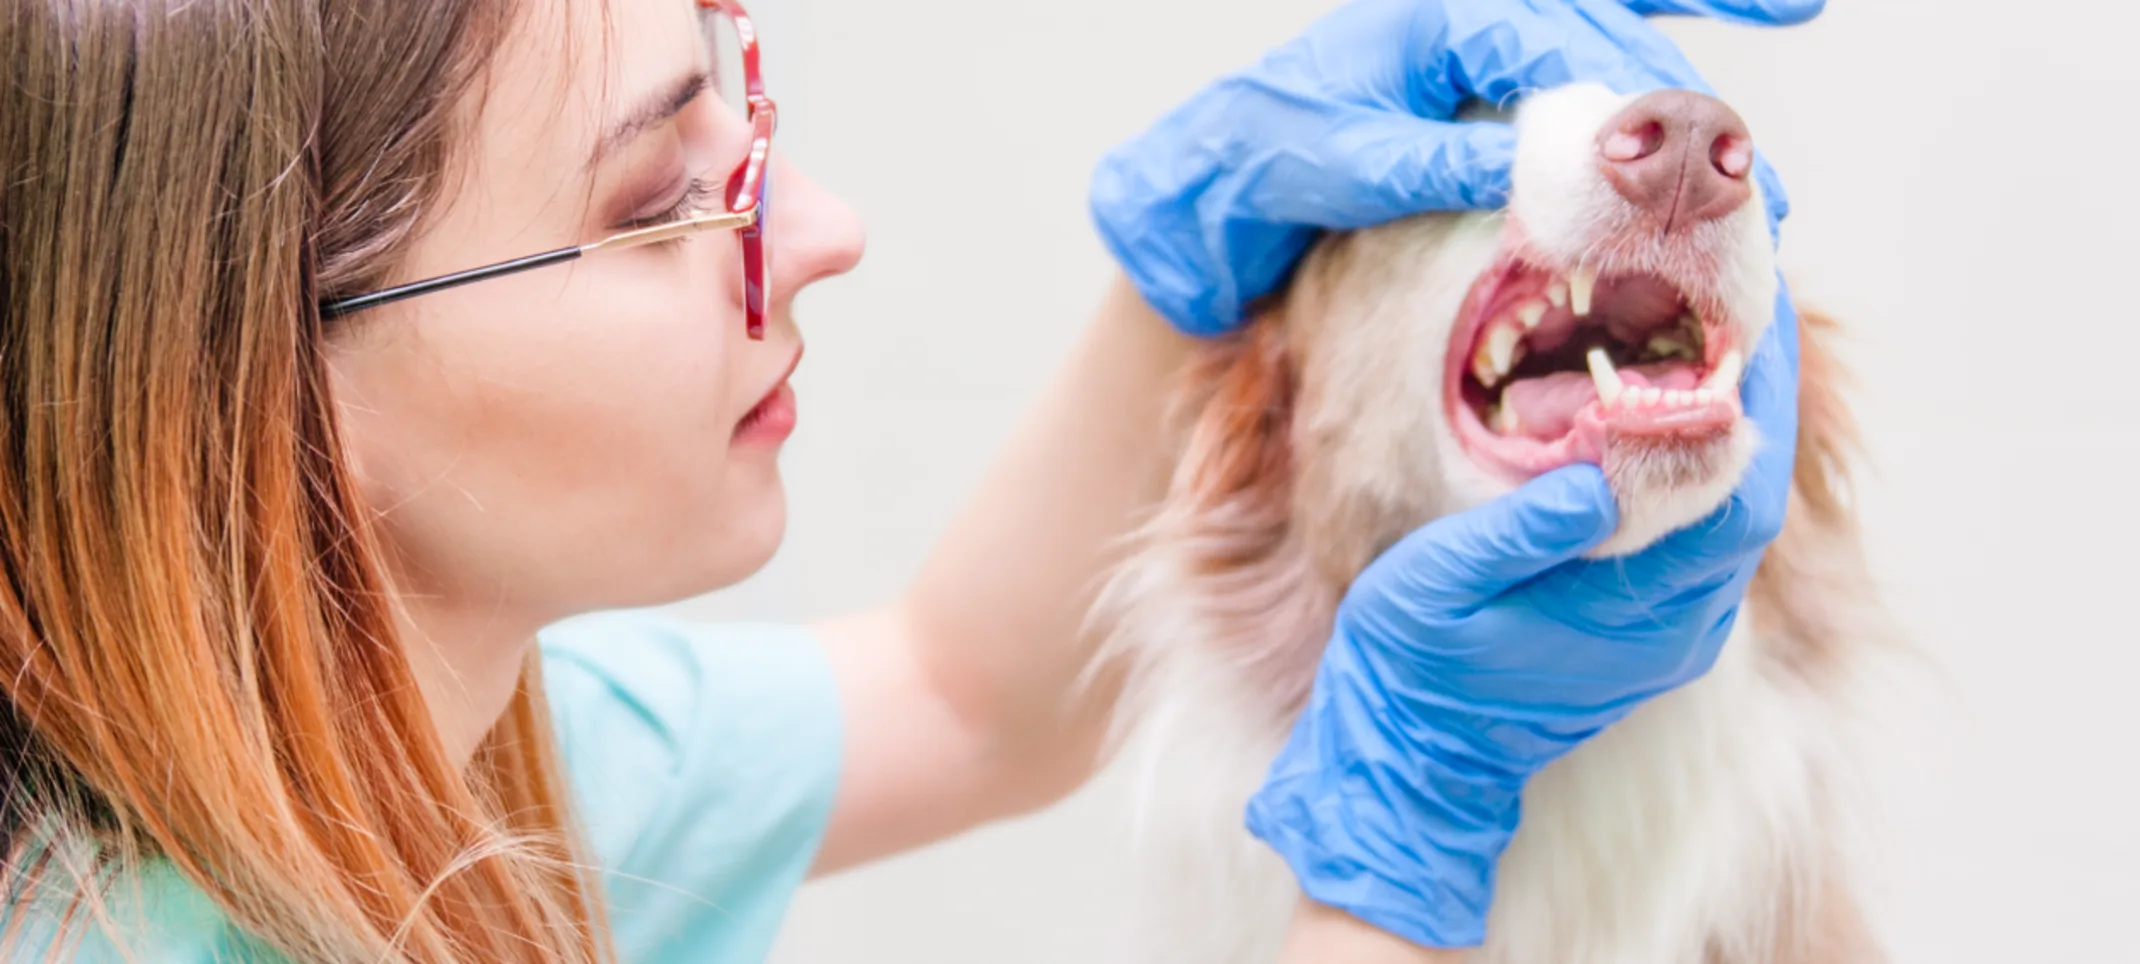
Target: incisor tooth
{"points": [[1503, 421], [1580, 285], [1531, 313], [1557, 293], [1603, 375], [1725, 380], [1675, 397]]}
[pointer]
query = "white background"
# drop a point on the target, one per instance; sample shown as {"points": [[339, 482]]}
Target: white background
{"points": [[1963, 175]]}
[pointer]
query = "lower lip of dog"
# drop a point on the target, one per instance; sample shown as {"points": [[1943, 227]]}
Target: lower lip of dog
{"points": [[771, 421]]}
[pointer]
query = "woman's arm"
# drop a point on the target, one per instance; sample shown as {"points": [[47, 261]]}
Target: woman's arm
{"points": [[1326, 935], [960, 697]]}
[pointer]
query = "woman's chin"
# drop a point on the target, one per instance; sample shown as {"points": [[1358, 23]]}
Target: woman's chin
{"points": [[712, 545], [749, 537]]}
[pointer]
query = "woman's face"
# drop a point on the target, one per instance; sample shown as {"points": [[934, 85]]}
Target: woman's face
{"points": [[603, 433]]}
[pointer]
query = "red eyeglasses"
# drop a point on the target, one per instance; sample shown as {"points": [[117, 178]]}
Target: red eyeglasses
{"points": [[746, 191]]}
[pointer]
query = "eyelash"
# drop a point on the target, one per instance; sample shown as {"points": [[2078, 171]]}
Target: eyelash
{"points": [[696, 194]]}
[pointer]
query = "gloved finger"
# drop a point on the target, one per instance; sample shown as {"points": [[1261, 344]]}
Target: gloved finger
{"points": [[1502, 51], [1459, 562], [1389, 165], [1630, 599], [1767, 13], [1769, 391], [1772, 195], [1501, 54]]}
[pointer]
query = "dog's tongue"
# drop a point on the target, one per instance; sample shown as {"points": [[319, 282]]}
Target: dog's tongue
{"points": [[1545, 407]]}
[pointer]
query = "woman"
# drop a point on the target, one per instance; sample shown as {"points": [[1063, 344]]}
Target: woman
{"points": [[285, 515]]}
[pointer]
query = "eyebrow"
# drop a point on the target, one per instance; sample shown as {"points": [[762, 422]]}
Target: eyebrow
{"points": [[651, 112]]}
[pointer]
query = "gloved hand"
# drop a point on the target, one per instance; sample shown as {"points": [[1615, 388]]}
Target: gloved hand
{"points": [[1479, 649], [1349, 125]]}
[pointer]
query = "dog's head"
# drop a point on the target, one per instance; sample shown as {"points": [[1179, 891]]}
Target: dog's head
{"points": [[1419, 368], [1604, 317], [1633, 274]]}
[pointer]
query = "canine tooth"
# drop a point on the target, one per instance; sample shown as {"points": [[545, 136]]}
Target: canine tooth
{"points": [[1728, 369], [1531, 313], [1557, 293], [1504, 346], [1483, 369], [1603, 375], [1503, 421], [1580, 285], [1497, 353]]}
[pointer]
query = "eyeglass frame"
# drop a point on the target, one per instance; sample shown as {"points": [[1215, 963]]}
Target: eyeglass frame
{"points": [[746, 204]]}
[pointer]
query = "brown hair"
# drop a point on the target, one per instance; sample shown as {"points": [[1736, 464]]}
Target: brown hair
{"points": [[198, 657]]}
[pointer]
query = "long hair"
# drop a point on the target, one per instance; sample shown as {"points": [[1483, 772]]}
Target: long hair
{"points": [[198, 655]]}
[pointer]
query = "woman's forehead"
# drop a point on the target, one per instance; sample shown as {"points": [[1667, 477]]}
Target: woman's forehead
{"points": [[572, 74]]}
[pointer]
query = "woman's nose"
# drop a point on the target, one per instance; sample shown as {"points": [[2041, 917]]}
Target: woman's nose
{"points": [[811, 235]]}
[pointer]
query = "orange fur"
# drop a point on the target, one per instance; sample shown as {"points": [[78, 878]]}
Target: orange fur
{"points": [[1238, 455], [1231, 512], [1816, 557]]}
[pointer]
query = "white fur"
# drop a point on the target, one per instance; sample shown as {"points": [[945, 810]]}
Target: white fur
{"points": [[1666, 837]]}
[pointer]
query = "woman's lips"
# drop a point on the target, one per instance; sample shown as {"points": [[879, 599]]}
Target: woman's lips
{"points": [[772, 420]]}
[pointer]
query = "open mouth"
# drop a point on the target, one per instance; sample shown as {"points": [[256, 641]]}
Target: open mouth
{"points": [[1548, 369]]}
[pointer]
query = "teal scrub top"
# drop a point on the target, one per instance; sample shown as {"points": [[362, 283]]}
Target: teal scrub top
{"points": [[703, 759]]}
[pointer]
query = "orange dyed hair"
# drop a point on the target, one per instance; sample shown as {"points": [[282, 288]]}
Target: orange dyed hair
{"points": [[198, 658]]}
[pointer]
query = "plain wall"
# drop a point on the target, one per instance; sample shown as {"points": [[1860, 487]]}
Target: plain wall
{"points": [[1963, 194]]}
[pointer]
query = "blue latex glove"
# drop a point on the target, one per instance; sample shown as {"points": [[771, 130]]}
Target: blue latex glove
{"points": [[1348, 125], [1479, 649]]}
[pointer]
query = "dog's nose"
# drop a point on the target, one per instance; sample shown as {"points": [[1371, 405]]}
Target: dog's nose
{"points": [[1680, 157]]}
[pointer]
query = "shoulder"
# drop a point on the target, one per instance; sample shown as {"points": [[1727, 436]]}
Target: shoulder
{"points": [[704, 759], [148, 915]]}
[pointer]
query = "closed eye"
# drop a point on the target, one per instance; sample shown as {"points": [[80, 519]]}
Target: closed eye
{"points": [[697, 194]]}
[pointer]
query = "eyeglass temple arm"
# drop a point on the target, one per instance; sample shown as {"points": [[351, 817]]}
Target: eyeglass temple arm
{"points": [[628, 239]]}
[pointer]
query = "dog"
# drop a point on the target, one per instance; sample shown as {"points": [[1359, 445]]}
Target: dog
{"points": [[1421, 367]]}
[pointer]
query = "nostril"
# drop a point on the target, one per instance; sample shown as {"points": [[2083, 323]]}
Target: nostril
{"points": [[1634, 142], [1732, 155]]}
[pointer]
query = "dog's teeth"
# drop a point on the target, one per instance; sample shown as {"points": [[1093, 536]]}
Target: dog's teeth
{"points": [[1498, 352], [1703, 396], [1557, 293], [1580, 285], [1666, 346], [1675, 398], [1503, 421], [1652, 396], [1505, 344], [1531, 313], [1725, 380], [1603, 375]]}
